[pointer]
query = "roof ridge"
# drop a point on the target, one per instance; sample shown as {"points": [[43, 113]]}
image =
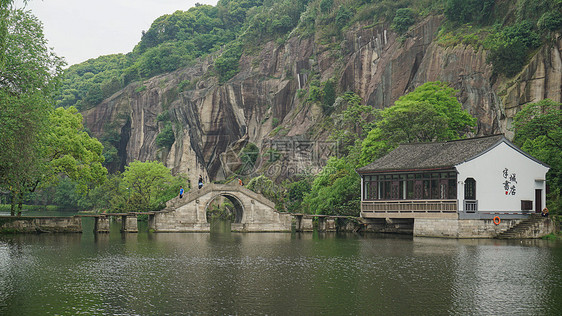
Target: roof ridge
{"points": [[437, 154], [452, 141], [477, 137]]}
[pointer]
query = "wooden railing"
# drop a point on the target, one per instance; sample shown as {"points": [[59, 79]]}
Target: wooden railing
{"points": [[409, 206]]}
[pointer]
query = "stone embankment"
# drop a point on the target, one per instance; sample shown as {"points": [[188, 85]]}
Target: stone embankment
{"points": [[40, 224]]}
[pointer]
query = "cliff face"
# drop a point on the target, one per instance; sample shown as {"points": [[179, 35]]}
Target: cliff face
{"points": [[263, 103]]}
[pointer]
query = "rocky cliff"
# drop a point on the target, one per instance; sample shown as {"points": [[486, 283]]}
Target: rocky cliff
{"points": [[264, 104]]}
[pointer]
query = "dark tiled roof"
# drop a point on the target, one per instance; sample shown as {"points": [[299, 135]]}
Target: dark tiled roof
{"points": [[433, 155]]}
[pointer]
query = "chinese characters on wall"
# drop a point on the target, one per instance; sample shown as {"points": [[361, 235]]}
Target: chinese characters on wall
{"points": [[510, 180]]}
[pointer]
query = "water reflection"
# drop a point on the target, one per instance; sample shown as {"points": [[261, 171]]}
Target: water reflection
{"points": [[505, 277], [275, 273]]}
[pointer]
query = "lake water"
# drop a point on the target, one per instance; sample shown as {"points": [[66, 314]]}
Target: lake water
{"points": [[275, 274]]}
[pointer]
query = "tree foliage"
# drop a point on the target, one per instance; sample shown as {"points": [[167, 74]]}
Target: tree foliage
{"points": [[226, 64], [146, 186], [335, 190], [265, 186], [166, 137], [71, 152], [296, 192], [550, 21], [465, 11], [429, 113], [538, 131], [353, 122], [510, 48], [403, 19], [29, 73]]}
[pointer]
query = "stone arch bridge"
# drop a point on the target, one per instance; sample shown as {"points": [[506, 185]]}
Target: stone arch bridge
{"points": [[253, 212]]}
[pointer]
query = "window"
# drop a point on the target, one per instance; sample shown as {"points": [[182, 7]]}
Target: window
{"points": [[526, 205], [370, 189], [452, 185], [470, 189], [411, 186]]}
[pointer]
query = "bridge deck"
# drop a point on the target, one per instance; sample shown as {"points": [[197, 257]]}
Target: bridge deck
{"points": [[319, 215], [115, 214]]}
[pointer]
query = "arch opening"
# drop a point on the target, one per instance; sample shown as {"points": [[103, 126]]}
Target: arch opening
{"points": [[224, 207]]}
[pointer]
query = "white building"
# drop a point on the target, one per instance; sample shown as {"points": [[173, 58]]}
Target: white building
{"points": [[477, 178]]}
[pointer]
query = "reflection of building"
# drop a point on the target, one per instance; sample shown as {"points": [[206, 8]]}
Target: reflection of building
{"points": [[477, 178]]}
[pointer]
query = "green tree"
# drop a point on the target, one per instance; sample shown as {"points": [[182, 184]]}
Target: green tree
{"points": [[108, 196], [429, 113], [296, 191], [354, 122], [94, 95], [265, 186], [70, 151], [538, 131], [148, 185], [29, 73], [66, 195], [335, 190]]}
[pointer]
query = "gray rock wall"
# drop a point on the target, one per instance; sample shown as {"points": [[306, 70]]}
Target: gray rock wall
{"points": [[210, 118]]}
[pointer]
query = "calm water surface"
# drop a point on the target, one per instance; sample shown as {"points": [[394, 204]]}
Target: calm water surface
{"points": [[275, 274]]}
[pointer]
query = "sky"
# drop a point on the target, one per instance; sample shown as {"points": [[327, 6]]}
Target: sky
{"points": [[82, 29]]}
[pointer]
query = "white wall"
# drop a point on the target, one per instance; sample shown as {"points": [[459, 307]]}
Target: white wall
{"points": [[487, 170]]}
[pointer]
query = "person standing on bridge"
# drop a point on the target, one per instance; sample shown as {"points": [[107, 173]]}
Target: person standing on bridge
{"points": [[200, 181], [181, 192]]}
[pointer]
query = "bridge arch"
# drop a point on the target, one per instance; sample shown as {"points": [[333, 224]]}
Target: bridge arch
{"points": [[256, 213], [238, 206]]}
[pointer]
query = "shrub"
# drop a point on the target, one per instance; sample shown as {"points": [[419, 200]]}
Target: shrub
{"points": [[226, 64], [550, 21], [326, 5], [166, 137], [403, 19], [465, 11], [163, 117], [510, 48]]}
